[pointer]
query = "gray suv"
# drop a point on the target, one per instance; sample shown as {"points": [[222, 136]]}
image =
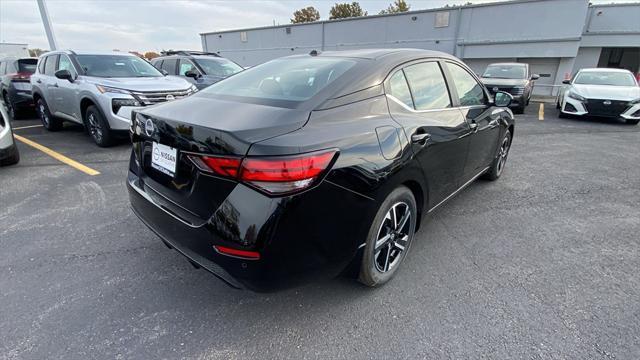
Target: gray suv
{"points": [[199, 68], [99, 90]]}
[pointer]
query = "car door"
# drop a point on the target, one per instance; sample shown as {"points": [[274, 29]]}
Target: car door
{"points": [[420, 101], [482, 118], [65, 92], [49, 82]]}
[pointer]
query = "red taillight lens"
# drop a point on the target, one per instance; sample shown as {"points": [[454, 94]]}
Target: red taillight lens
{"points": [[285, 174], [223, 166], [249, 255], [273, 175], [20, 76]]}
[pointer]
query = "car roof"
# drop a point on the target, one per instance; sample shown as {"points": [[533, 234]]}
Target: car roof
{"points": [[375, 54], [86, 52], [509, 63], [605, 70]]}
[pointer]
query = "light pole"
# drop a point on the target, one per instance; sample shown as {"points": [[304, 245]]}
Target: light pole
{"points": [[44, 13]]}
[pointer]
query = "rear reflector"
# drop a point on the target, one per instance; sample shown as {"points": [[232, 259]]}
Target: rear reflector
{"points": [[21, 76], [244, 254], [273, 175]]}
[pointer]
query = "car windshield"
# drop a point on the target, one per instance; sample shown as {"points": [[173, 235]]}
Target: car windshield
{"points": [[116, 66], [605, 78], [218, 67], [291, 80], [505, 72], [27, 65]]}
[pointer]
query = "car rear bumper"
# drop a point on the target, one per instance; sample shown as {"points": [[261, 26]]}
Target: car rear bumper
{"points": [[299, 238], [573, 106], [21, 98]]}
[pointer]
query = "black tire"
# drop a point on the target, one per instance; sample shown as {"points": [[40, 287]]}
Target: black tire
{"points": [[562, 115], [48, 121], [98, 127], [13, 113], [632, 122], [379, 266], [499, 162], [14, 155]]}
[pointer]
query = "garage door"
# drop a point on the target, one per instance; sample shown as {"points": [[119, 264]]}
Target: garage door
{"points": [[547, 69]]}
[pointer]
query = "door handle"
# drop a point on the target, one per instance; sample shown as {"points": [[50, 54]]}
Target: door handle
{"points": [[39, 81], [421, 139]]}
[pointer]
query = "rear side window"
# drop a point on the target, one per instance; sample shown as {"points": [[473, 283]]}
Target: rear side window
{"points": [[27, 65], [399, 88], [469, 91], [169, 65], [428, 86], [50, 66]]}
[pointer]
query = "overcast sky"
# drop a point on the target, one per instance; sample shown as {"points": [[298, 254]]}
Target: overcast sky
{"points": [[145, 25]]}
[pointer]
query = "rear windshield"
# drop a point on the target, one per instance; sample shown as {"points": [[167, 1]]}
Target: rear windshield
{"points": [[27, 65], [505, 72], [117, 66], [219, 67], [289, 80], [605, 78]]}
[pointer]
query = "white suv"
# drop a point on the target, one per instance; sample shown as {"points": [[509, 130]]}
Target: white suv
{"points": [[99, 90]]}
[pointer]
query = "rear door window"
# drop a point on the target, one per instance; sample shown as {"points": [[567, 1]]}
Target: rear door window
{"points": [[169, 65], [399, 89], [469, 90], [50, 66], [428, 86]]}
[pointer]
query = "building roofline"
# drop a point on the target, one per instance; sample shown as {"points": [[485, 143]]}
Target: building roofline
{"points": [[9, 43], [613, 4], [422, 11]]}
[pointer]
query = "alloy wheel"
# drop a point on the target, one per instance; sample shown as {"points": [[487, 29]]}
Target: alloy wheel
{"points": [[504, 151], [42, 111], [393, 237], [95, 128]]}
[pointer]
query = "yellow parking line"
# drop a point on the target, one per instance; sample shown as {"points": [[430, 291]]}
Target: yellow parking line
{"points": [[27, 127], [74, 164], [541, 112]]}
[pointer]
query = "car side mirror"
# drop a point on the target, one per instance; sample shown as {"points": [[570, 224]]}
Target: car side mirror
{"points": [[164, 72], [535, 77], [566, 82], [64, 74], [192, 74], [502, 99]]}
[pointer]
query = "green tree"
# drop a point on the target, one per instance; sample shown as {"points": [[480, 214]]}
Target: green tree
{"points": [[305, 15], [398, 6], [346, 10]]}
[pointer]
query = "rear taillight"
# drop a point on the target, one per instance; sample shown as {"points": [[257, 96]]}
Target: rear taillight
{"points": [[21, 76], [243, 254], [275, 175]]}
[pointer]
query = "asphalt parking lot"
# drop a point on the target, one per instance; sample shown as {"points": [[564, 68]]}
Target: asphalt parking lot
{"points": [[540, 264]]}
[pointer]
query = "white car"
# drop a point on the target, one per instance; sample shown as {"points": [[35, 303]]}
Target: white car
{"points": [[601, 92], [8, 150]]}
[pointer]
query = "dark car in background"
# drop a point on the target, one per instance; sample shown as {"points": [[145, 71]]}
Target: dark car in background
{"points": [[304, 165], [15, 88], [514, 78], [200, 68]]}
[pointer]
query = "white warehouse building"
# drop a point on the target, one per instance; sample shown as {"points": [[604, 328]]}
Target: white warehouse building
{"points": [[556, 37]]}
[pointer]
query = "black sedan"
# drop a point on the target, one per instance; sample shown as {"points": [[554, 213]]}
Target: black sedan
{"points": [[308, 165]]}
